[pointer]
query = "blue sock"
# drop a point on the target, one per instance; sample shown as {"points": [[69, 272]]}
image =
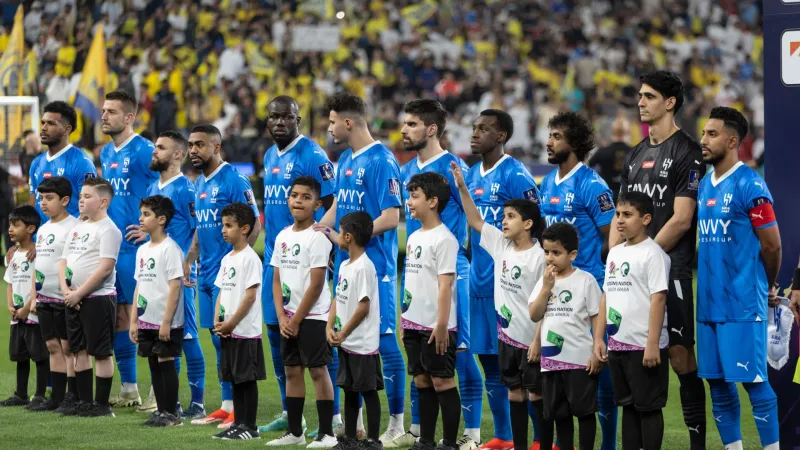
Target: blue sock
{"points": [[608, 410], [765, 411], [498, 397], [532, 414], [415, 403], [125, 354], [726, 409], [195, 369], [227, 388], [469, 385], [178, 365], [274, 336], [333, 367], [394, 373]]}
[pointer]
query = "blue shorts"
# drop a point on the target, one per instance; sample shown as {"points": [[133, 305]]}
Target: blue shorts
{"points": [[267, 303], [483, 325], [189, 313], [125, 284], [207, 300], [387, 294], [733, 351]]}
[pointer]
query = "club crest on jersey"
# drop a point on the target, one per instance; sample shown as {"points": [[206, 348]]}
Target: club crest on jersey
{"points": [[359, 181], [727, 199], [61, 172], [665, 168], [288, 174], [214, 195], [648, 164], [495, 188], [125, 164], [569, 197]]}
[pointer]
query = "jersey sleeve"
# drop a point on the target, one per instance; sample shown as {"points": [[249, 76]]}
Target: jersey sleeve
{"points": [[593, 296], [522, 185], [657, 267], [7, 276], [492, 240], [598, 199], [242, 192], [367, 281], [319, 251], [446, 255], [275, 261], [33, 183], [623, 174], [387, 183], [252, 273], [536, 290], [173, 262], [110, 240], [143, 157], [688, 172], [136, 267], [187, 201], [218, 281], [322, 170], [757, 203]]}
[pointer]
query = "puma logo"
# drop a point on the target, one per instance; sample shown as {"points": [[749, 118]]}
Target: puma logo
{"points": [[758, 184], [756, 216], [695, 429], [489, 393], [763, 419], [743, 366], [631, 166], [679, 332], [391, 378], [467, 407], [604, 416], [696, 162], [195, 384], [718, 418]]}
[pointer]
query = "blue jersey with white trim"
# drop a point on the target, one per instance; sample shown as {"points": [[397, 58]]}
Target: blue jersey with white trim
{"points": [[71, 163], [184, 223]]}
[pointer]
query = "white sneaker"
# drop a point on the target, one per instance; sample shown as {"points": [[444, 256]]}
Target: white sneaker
{"points": [[388, 437], [338, 429], [324, 441], [466, 443], [404, 441], [287, 439]]}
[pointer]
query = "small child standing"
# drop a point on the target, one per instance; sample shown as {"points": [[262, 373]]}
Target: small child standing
{"points": [[354, 326], [237, 321], [26, 343], [567, 303], [634, 304], [157, 321]]}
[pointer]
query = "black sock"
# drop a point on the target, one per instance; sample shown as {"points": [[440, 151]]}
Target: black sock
{"points": [[103, 390], [72, 385], [631, 428], [59, 381], [294, 413], [652, 429], [373, 403], [157, 382], [239, 405], [428, 415], [693, 402], [546, 432], [23, 372], [587, 430], [350, 413], [169, 381], [83, 380], [250, 397], [325, 413], [450, 404], [42, 376], [565, 430], [519, 424]]}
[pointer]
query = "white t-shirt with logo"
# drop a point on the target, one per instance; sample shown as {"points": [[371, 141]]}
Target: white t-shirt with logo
{"points": [[239, 272], [50, 242], [515, 275], [156, 266], [633, 274], [19, 275], [429, 253], [358, 280], [295, 254], [87, 243], [567, 324]]}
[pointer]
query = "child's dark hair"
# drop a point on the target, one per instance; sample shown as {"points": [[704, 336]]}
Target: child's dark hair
{"points": [[639, 200], [359, 224], [305, 180], [527, 210], [242, 214], [432, 185], [160, 205], [56, 185], [102, 185], [563, 233], [26, 214]]}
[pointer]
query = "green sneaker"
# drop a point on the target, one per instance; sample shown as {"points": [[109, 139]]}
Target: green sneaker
{"points": [[280, 423], [338, 430]]}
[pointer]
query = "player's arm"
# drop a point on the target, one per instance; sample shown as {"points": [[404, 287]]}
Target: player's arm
{"points": [[191, 257], [175, 287], [133, 329], [329, 219], [388, 220], [474, 218], [32, 192], [658, 302], [678, 224], [770, 238], [311, 295], [358, 316], [96, 279], [253, 237]]}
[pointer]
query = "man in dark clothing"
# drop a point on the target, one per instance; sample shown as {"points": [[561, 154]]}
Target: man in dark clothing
{"points": [[164, 110], [608, 161]]}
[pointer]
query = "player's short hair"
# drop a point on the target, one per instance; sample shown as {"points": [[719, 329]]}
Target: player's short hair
{"points": [[160, 205], [56, 185], [577, 129], [345, 103], [563, 233], [504, 121], [102, 186], [208, 129], [431, 184], [732, 118], [431, 112], [26, 214], [286, 100], [359, 224], [127, 99], [639, 200], [68, 114], [527, 210], [27, 133], [176, 137], [308, 181], [242, 214], [667, 84]]}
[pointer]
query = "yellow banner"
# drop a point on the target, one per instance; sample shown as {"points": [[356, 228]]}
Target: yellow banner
{"points": [[12, 60], [320, 8], [418, 14], [92, 88], [258, 63]]}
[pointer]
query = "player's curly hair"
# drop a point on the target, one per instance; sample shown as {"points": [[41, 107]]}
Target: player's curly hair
{"points": [[667, 84], [577, 129], [242, 214], [732, 118], [563, 233], [431, 184], [68, 114], [345, 102]]}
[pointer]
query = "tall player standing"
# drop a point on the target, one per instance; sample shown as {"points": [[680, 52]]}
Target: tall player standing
{"points": [[739, 259], [423, 126], [126, 165], [219, 185], [667, 166], [293, 155]]}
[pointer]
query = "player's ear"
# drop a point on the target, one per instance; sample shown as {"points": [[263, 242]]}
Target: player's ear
{"points": [[572, 255], [65, 201], [646, 219]]}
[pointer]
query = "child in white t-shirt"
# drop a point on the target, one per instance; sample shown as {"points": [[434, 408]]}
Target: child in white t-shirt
{"points": [[566, 302], [354, 326], [157, 321]]}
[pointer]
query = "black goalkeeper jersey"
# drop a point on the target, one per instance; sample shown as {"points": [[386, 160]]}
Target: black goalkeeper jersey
{"points": [[670, 169]]}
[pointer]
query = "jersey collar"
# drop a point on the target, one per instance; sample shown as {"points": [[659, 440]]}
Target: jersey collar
{"points": [[127, 141], [214, 173], [422, 165], [60, 152], [715, 181], [365, 149], [567, 176], [495, 166], [290, 146], [166, 183]]}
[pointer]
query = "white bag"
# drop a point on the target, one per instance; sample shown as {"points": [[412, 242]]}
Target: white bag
{"points": [[779, 331]]}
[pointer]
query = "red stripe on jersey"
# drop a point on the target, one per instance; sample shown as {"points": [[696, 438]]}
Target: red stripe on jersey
{"points": [[762, 215]]}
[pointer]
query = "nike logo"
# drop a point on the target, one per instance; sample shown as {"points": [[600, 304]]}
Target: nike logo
{"points": [[744, 366], [695, 429], [391, 378], [756, 216], [763, 419], [679, 332]]}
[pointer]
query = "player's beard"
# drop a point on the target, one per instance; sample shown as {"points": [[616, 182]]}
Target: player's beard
{"points": [[113, 131], [200, 165], [53, 140], [416, 146], [715, 158], [558, 157], [158, 166]]}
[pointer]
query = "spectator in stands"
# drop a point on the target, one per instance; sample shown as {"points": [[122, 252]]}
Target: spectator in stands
{"points": [[608, 160]]}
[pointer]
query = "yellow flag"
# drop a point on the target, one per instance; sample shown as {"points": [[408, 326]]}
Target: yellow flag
{"points": [[91, 90], [258, 63], [418, 14], [13, 59], [320, 8]]}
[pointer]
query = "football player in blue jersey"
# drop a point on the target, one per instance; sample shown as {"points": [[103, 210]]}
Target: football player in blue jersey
{"points": [[293, 155], [493, 181], [368, 179], [739, 259], [218, 185], [126, 165], [576, 194], [423, 126]]}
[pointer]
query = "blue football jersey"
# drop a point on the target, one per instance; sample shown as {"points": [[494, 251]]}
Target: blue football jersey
{"points": [[184, 223], [731, 279], [370, 181], [508, 179], [71, 163], [584, 200], [213, 193], [303, 157], [128, 170]]}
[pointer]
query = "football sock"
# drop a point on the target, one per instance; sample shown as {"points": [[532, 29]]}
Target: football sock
{"points": [[333, 367], [587, 430], [372, 401], [565, 430], [394, 373], [23, 372], [498, 397], [414, 394], [59, 380], [519, 424], [325, 414], [350, 413], [765, 411], [239, 403], [631, 428], [450, 404], [726, 409], [169, 379], [546, 431], [84, 384], [42, 376], [156, 382], [470, 387], [72, 385], [274, 337], [248, 403], [693, 403], [608, 410], [195, 369], [294, 412], [125, 355], [652, 429], [429, 414], [103, 390], [534, 420], [227, 389]]}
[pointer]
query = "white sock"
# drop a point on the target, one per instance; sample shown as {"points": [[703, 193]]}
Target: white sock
{"points": [[227, 405], [129, 387], [337, 419], [773, 446], [152, 393], [734, 446], [360, 421], [396, 422], [473, 433], [414, 429]]}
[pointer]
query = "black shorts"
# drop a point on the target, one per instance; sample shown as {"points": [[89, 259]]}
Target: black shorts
{"points": [[567, 393], [637, 385], [26, 343], [92, 328], [422, 356], [52, 320], [241, 360], [680, 313], [150, 344], [515, 370], [310, 348], [359, 373]]}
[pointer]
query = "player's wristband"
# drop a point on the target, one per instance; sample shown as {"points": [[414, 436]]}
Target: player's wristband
{"points": [[796, 280]]}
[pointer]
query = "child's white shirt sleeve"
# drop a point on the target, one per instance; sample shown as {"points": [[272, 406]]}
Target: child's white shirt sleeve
{"points": [[252, 273], [110, 240], [657, 266], [173, 262], [492, 240], [593, 296], [446, 255], [319, 251]]}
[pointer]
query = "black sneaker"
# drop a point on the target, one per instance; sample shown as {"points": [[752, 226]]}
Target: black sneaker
{"points": [[35, 402], [47, 405], [371, 444], [242, 433], [154, 420], [419, 445], [169, 420], [97, 410], [70, 408], [346, 443], [445, 447], [14, 400], [225, 434]]}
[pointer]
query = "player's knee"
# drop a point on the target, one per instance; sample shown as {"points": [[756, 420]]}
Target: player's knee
{"points": [[318, 373], [54, 347], [443, 384], [516, 395], [681, 359], [760, 393], [723, 393], [293, 373]]}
